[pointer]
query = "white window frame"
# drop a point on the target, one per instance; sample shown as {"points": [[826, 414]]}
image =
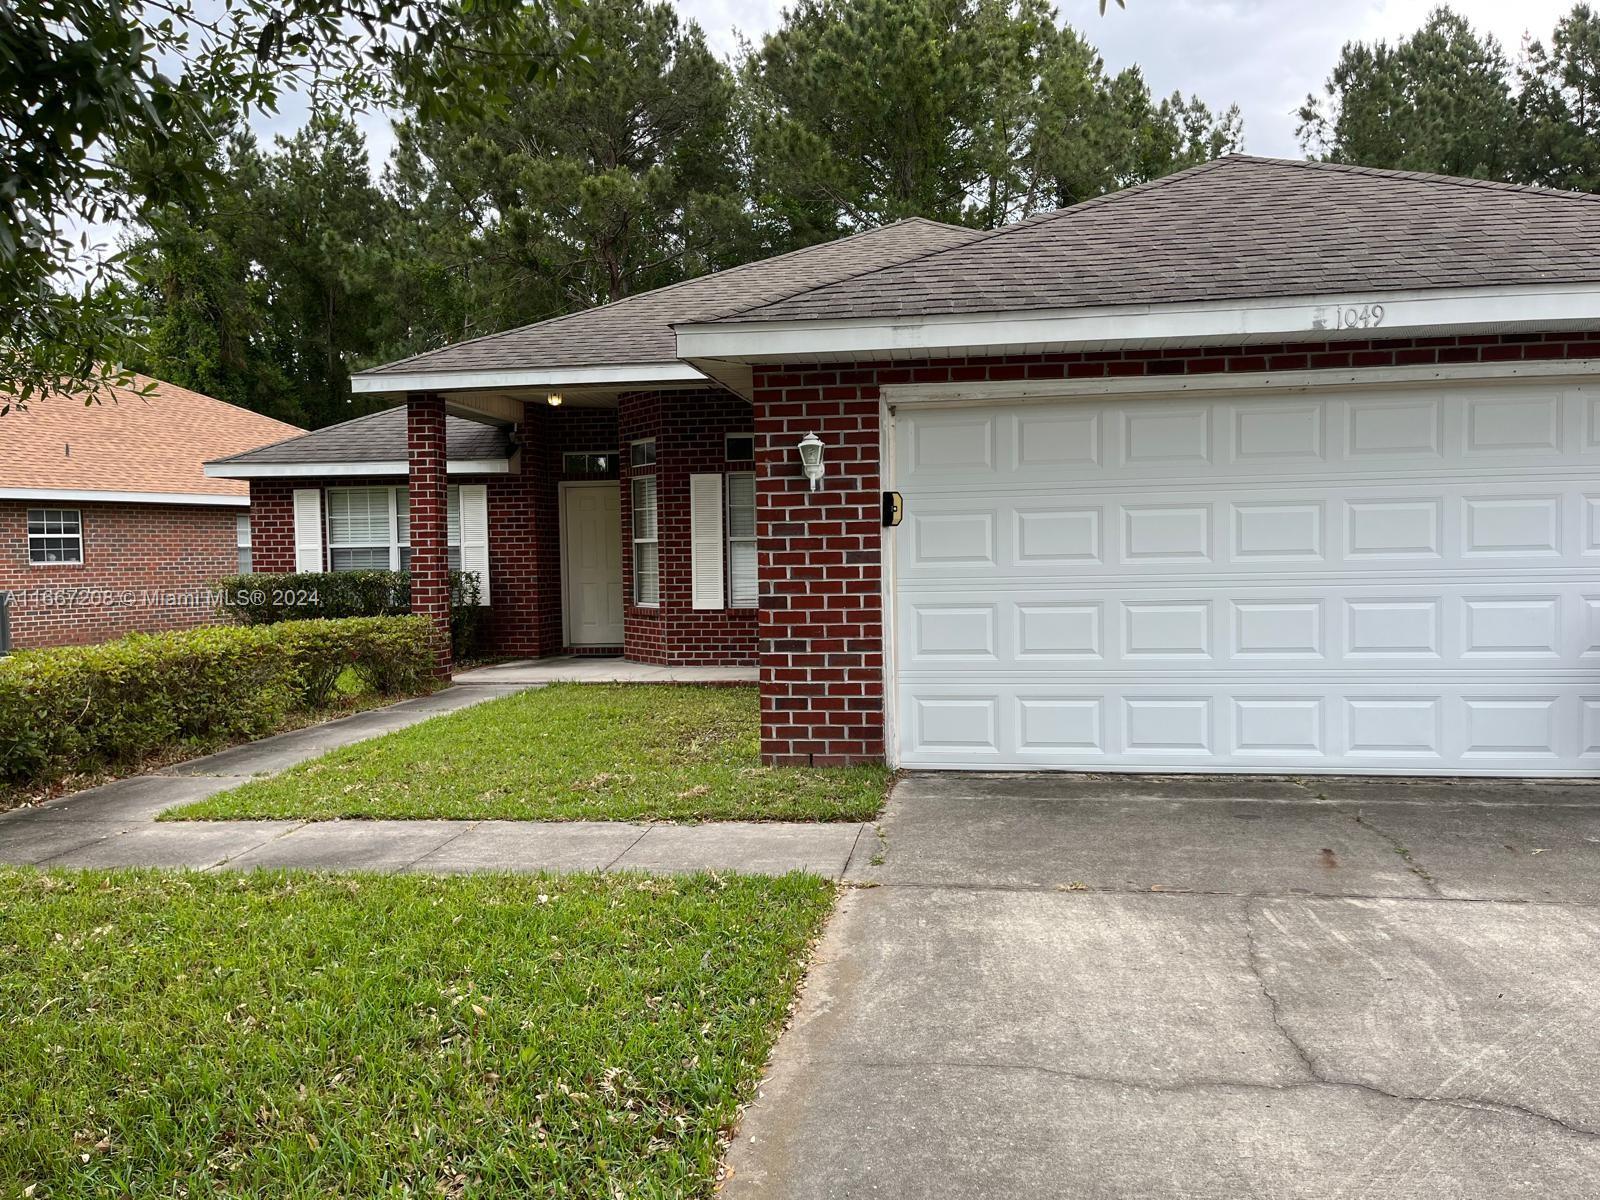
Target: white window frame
{"points": [[637, 452], [242, 543], [741, 539], [653, 538], [399, 500], [59, 518]]}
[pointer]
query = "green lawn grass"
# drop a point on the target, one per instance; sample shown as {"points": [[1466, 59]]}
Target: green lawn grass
{"points": [[602, 752], [289, 1035]]}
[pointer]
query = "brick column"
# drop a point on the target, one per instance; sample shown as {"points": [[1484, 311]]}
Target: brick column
{"points": [[430, 573]]}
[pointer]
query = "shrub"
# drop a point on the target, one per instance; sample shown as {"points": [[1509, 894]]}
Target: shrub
{"points": [[80, 707], [265, 599]]}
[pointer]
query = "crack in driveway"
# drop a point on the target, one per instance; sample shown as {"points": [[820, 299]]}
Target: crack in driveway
{"points": [[1320, 1075], [1466, 1103]]}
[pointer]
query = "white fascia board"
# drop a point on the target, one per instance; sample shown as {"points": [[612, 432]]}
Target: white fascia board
{"points": [[309, 470], [1294, 318], [643, 374], [1162, 386], [92, 496]]}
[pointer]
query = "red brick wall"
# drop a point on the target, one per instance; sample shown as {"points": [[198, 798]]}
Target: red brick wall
{"points": [[548, 434], [690, 428], [524, 616], [135, 556], [430, 575], [821, 632]]}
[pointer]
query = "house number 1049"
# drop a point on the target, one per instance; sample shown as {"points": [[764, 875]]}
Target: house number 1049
{"points": [[1365, 316]]}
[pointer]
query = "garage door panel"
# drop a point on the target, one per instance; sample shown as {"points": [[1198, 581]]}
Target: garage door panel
{"points": [[1017, 629], [1295, 724], [1392, 582], [1365, 432], [1356, 529]]}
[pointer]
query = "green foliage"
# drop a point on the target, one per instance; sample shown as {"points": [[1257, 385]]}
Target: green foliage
{"points": [[75, 708], [265, 599], [110, 112], [588, 190], [1447, 99], [568, 752], [296, 1035], [978, 111], [263, 298], [1560, 105], [1438, 100]]}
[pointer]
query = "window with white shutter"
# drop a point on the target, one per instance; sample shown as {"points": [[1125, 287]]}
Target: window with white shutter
{"points": [[705, 540], [241, 538], [743, 591], [469, 533], [369, 529], [361, 529], [646, 556], [307, 529]]}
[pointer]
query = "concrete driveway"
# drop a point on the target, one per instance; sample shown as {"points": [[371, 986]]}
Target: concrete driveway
{"points": [[1122, 987]]}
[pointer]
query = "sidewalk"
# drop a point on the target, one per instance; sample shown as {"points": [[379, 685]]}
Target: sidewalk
{"points": [[115, 825]]}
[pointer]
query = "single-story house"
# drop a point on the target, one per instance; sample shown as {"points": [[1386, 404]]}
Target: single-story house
{"points": [[1263, 466], [108, 520]]}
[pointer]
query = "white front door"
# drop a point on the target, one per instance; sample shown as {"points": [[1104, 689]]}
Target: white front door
{"points": [[1399, 580], [591, 556]]}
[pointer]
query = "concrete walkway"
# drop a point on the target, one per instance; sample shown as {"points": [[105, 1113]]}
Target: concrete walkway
{"points": [[1204, 988], [115, 825], [577, 668]]}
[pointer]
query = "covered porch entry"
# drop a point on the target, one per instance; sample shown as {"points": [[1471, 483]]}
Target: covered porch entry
{"points": [[623, 527]]}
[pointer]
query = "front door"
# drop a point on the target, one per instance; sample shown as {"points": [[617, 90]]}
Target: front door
{"points": [[591, 556]]}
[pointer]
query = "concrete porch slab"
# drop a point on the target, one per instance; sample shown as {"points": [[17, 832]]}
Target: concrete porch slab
{"points": [[575, 668]]}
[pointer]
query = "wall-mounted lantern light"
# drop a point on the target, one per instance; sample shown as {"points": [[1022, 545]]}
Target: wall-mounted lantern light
{"points": [[811, 459], [553, 399]]}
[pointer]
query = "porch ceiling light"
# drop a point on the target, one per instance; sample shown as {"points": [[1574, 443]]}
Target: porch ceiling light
{"points": [[811, 459], [553, 399]]}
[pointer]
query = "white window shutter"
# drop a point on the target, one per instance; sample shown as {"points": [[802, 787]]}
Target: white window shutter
{"points": [[474, 506], [705, 540], [308, 529]]}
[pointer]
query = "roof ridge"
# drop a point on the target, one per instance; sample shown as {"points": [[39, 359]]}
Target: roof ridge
{"points": [[1430, 177], [669, 287], [982, 236], [165, 387], [305, 433]]}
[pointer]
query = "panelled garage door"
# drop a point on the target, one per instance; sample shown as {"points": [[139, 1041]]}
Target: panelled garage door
{"points": [[1405, 580]]}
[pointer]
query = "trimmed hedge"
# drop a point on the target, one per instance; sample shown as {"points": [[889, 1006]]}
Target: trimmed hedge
{"points": [[80, 707], [265, 599]]}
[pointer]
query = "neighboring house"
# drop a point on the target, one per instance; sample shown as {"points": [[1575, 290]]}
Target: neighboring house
{"points": [[1264, 466], [108, 520]]}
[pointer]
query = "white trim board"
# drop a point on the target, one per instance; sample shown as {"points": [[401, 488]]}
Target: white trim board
{"points": [[1158, 386], [91, 496], [311, 470], [1288, 318], [552, 377]]}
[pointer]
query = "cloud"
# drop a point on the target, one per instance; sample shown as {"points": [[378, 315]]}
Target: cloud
{"points": [[1264, 55]]}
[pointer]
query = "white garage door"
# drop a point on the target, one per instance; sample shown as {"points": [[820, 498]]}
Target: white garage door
{"points": [[1405, 581]]}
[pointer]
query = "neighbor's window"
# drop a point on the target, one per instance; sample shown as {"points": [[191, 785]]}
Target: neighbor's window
{"points": [[642, 454], [742, 590], [646, 559], [369, 529], [241, 526], [575, 462], [55, 535], [741, 447]]}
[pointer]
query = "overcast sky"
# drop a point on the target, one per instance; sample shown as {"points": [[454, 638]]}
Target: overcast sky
{"points": [[1263, 55]]}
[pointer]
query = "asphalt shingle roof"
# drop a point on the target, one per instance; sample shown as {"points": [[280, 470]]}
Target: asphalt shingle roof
{"points": [[638, 329], [378, 437], [128, 441], [1234, 228]]}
